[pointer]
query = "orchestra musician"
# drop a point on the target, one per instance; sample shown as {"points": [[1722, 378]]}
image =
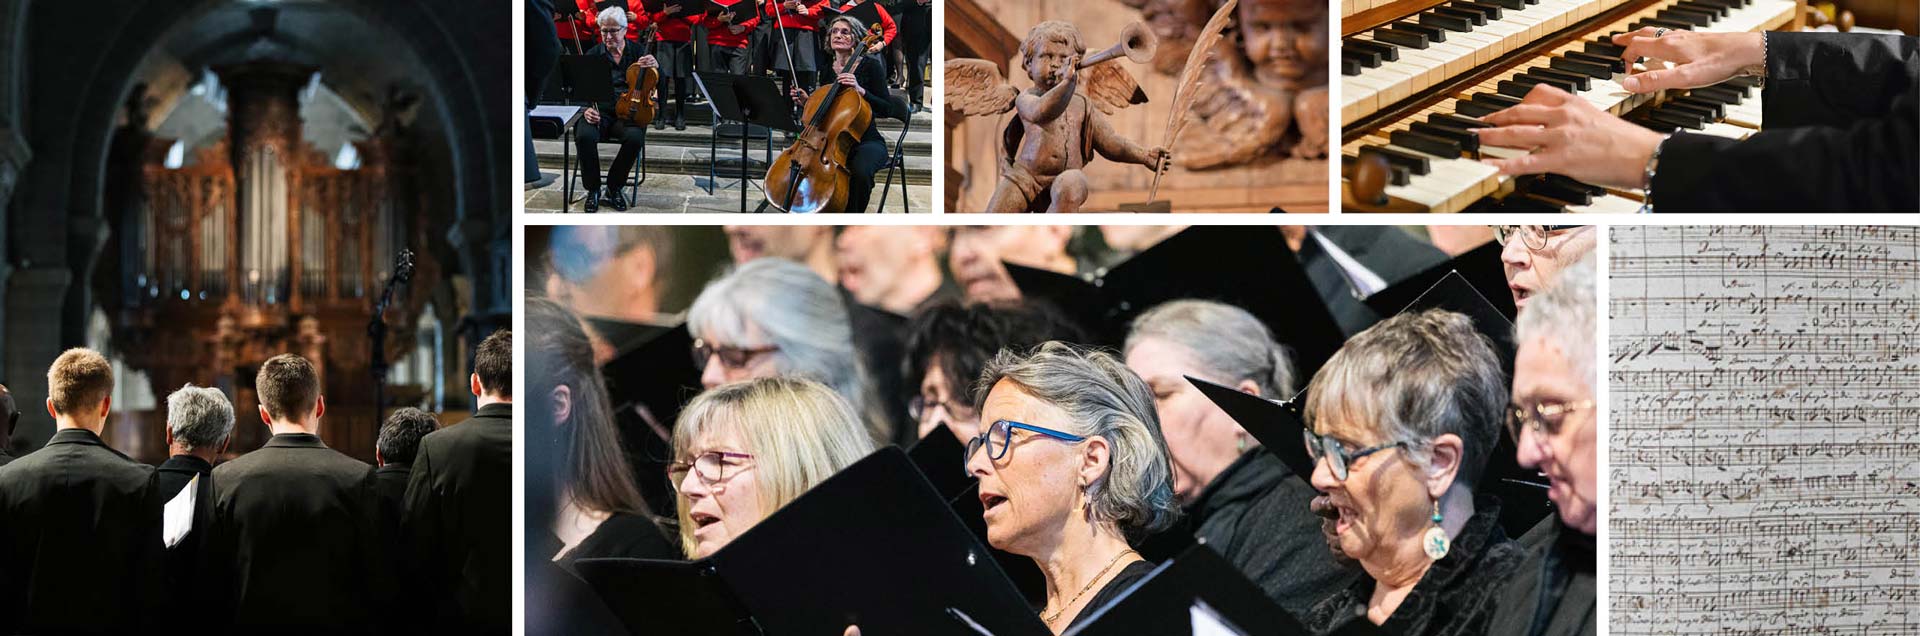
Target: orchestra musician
{"points": [[1842, 125], [888, 31], [599, 120], [843, 35]]}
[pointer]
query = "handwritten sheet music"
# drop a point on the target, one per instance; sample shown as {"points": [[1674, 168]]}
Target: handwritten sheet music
{"points": [[1765, 430]]}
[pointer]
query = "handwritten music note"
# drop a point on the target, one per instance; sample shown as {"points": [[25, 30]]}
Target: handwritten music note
{"points": [[1765, 431]]}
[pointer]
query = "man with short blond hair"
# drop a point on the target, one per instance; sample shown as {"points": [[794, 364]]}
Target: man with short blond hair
{"points": [[297, 533], [79, 526]]}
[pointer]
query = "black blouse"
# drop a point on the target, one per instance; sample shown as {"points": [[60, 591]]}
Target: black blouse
{"points": [[625, 535], [1456, 597], [875, 81], [628, 53], [1113, 589]]}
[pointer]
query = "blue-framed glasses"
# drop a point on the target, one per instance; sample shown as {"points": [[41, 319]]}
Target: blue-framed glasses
{"points": [[999, 435], [1336, 454]]}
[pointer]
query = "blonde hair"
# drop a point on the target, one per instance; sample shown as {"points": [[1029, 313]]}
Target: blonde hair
{"points": [[79, 378], [799, 432]]}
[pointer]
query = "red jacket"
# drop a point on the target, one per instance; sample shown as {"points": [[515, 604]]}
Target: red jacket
{"points": [[719, 35], [589, 20], [676, 27], [791, 20], [886, 25]]}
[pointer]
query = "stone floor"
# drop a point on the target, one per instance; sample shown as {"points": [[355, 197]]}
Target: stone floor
{"points": [[686, 193]]}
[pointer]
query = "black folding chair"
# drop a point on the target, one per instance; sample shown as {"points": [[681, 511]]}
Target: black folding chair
{"points": [[897, 162]]}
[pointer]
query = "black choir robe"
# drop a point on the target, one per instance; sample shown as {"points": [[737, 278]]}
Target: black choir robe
{"points": [[298, 540], [458, 523], [79, 539], [1842, 133], [186, 561]]}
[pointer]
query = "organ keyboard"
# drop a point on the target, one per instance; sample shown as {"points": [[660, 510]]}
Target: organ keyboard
{"points": [[1416, 74]]}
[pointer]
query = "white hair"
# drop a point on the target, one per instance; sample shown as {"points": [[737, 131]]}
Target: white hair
{"points": [[1564, 316], [199, 417], [613, 16], [782, 303], [1102, 398], [1229, 343]]}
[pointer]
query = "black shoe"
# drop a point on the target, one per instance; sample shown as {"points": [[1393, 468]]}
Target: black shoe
{"points": [[592, 203], [611, 197], [679, 121], [659, 122]]}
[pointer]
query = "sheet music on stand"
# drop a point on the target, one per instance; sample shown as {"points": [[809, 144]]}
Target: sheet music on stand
{"points": [[1765, 430]]}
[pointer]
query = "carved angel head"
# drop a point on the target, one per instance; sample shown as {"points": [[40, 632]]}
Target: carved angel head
{"points": [[1286, 40], [1049, 46]]}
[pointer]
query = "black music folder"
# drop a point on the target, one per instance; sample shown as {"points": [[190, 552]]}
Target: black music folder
{"points": [[652, 366], [1198, 586], [939, 457], [1277, 424], [1248, 267], [688, 8], [873, 546], [1452, 291], [740, 10], [868, 13]]}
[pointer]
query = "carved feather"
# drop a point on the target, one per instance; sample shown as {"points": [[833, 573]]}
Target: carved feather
{"points": [[1111, 87], [1188, 88], [974, 87]]}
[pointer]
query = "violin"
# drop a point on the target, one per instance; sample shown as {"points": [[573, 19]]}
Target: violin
{"points": [[811, 175], [639, 104]]}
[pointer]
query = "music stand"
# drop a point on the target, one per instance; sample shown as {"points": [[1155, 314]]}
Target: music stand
{"points": [[749, 100], [587, 79]]}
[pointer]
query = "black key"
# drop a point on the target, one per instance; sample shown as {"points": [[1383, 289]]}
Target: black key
{"points": [[1650, 124], [1348, 66], [1433, 33], [1689, 17], [1475, 17], [1740, 89], [1718, 109], [1705, 114], [1719, 94], [1729, 5], [1416, 164], [1555, 191], [1710, 14], [1608, 49], [1386, 51], [1449, 23], [1491, 11], [1672, 118], [1613, 62], [1510, 5], [1425, 143], [1579, 81], [1589, 69], [1662, 22], [1363, 58], [1456, 121], [1467, 141], [1496, 100], [1718, 10], [1402, 38], [1476, 109], [1528, 80], [1749, 82], [1569, 182]]}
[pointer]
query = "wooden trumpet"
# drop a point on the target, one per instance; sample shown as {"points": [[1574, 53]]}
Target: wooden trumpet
{"points": [[1137, 42]]}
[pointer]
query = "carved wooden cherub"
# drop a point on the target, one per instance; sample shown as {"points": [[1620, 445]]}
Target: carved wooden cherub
{"points": [[1265, 96], [1062, 120]]}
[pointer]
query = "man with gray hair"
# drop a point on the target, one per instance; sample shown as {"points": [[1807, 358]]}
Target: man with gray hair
{"points": [[1554, 421], [199, 426]]}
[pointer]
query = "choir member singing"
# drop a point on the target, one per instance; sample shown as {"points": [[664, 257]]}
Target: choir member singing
{"points": [[1534, 255], [459, 500], [199, 427]]}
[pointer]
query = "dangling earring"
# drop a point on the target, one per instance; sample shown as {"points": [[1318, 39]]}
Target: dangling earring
{"points": [[1241, 441], [1435, 542]]}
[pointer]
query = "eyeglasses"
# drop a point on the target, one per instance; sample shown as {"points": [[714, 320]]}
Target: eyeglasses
{"points": [[1336, 454], [1534, 236], [999, 436], [920, 406], [711, 466], [1544, 418], [732, 357], [613, 31]]}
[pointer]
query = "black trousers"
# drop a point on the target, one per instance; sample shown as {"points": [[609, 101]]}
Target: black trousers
{"points": [[586, 142], [916, 54], [862, 165]]}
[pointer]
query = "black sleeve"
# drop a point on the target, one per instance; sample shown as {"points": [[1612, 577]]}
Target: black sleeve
{"points": [[1837, 78], [875, 82], [1870, 164]]}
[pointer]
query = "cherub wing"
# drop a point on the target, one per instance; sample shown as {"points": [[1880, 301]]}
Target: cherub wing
{"points": [[974, 87], [1243, 120], [1111, 87]]}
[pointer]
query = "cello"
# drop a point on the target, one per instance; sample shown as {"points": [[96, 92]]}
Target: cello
{"points": [[639, 104], [811, 175]]}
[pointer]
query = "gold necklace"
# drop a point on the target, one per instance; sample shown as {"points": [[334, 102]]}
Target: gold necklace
{"points": [[1083, 591]]}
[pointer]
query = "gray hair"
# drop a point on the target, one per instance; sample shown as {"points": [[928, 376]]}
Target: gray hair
{"points": [[1565, 316], [199, 417], [612, 16], [804, 316], [1417, 376], [1102, 398], [1228, 343]]}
